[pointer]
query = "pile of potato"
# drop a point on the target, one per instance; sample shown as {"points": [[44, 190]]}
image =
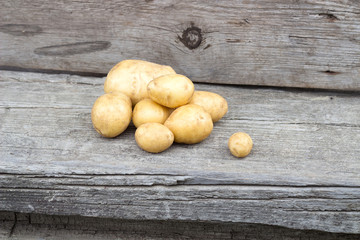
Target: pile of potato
{"points": [[163, 106]]}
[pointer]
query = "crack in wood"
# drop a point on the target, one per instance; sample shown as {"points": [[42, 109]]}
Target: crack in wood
{"points": [[33, 188], [209, 45], [67, 81], [297, 123], [289, 198], [145, 185], [21, 29], [322, 210], [310, 37], [233, 40], [329, 16], [241, 23], [92, 174], [14, 225], [331, 72], [51, 71], [214, 185], [73, 48], [48, 107]]}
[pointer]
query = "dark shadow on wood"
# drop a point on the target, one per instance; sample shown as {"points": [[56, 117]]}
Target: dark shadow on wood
{"points": [[76, 227]]}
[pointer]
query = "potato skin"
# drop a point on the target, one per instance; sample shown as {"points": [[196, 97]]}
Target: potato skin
{"points": [[240, 144], [154, 137], [132, 77], [212, 103], [190, 124], [147, 111], [172, 90], [111, 114]]}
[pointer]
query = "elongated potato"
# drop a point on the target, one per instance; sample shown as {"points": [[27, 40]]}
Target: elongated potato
{"points": [[132, 77], [111, 114], [172, 90], [212, 103], [147, 111], [190, 124], [240, 144], [154, 137]]}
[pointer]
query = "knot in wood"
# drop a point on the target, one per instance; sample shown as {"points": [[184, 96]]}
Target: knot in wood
{"points": [[191, 37]]}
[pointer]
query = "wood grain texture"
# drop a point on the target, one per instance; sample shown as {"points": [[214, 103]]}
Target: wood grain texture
{"points": [[308, 44], [38, 226], [303, 172]]}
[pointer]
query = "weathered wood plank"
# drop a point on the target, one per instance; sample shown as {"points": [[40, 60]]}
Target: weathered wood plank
{"points": [[303, 172], [311, 44], [304, 208], [38, 226]]}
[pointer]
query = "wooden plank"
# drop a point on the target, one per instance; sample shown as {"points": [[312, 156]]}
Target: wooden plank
{"points": [[308, 44], [303, 172], [39, 226]]}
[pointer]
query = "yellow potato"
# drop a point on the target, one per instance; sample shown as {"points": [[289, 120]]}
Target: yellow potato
{"points": [[173, 90], [147, 111], [132, 77], [240, 144], [111, 114], [154, 137], [190, 124], [212, 103]]}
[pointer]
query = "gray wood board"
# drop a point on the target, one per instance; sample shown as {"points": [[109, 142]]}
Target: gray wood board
{"points": [[308, 44], [38, 226], [303, 171]]}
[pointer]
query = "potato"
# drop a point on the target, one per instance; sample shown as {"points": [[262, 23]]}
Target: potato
{"points": [[132, 77], [173, 90], [147, 111], [212, 103], [190, 124], [111, 114], [154, 137], [240, 144]]}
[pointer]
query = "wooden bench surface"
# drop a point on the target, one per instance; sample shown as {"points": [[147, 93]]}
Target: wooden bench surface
{"points": [[308, 44], [303, 171]]}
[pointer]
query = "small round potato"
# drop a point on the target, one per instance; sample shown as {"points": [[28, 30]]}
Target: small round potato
{"points": [[190, 124], [154, 137], [132, 77], [212, 103], [240, 144], [172, 90], [111, 114], [147, 111]]}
